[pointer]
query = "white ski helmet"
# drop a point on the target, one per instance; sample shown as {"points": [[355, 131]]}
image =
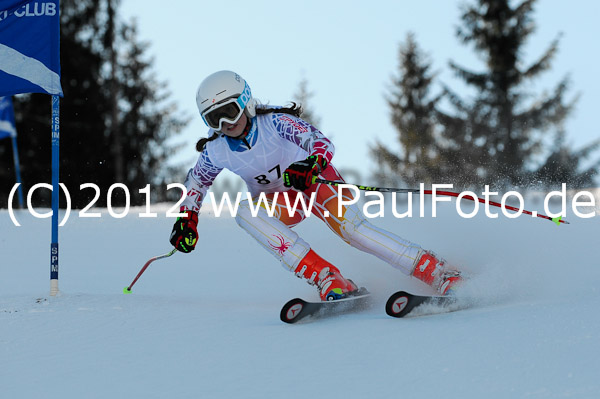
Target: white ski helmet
{"points": [[223, 97]]}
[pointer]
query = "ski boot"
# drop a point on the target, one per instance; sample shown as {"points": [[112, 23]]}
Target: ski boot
{"points": [[434, 271], [328, 279]]}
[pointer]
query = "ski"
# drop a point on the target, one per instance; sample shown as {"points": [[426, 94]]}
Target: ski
{"points": [[402, 303], [298, 309]]}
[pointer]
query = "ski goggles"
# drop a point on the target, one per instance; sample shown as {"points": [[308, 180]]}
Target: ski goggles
{"points": [[228, 111]]}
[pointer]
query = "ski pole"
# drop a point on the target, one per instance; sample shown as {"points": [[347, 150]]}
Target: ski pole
{"points": [[127, 290], [556, 220]]}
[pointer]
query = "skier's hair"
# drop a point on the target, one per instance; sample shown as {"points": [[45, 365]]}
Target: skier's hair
{"points": [[293, 109]]}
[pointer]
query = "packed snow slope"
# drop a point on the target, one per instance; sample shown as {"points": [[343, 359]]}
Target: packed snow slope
{"points": [[206, 324]]}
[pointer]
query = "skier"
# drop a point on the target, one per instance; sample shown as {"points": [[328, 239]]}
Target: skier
{"points": [[273, 150]]}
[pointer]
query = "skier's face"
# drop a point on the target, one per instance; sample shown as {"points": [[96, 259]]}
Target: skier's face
{"points": [[236, 129]]}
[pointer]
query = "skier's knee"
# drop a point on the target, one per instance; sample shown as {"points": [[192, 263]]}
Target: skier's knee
{"points": [[352, 224], [363, 235]]}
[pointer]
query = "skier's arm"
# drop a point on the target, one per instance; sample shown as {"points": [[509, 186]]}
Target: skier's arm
{"points": [[184, 234], [299, 174], [198, 181], [304, 135]]}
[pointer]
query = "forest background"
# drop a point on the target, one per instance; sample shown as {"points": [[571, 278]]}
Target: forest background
{"points": [[120, 123]]}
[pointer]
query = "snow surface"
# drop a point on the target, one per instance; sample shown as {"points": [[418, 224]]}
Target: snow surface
{"points": [[206, 324]]}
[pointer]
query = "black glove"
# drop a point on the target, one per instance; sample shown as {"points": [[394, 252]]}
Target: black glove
{"points": [[185, 234], [299, 175]]}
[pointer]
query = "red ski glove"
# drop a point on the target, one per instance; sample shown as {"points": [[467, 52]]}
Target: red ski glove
{"points": [[185, 234], [299, 175]]}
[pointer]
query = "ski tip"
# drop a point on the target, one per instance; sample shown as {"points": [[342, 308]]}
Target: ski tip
{"points": [[291, 310], [126, 290], [396, 305]]}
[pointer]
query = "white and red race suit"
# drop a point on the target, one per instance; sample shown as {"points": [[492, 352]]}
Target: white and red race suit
{"points": [[274, 141]]}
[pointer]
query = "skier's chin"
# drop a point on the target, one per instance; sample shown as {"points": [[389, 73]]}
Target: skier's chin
{"points": [[232, 130]]}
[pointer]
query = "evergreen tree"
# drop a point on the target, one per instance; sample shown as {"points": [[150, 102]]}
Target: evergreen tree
{"points": [[143, 120], [496, 138], [563, 165], [303, 96], [412, 114], [147, 121]]}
